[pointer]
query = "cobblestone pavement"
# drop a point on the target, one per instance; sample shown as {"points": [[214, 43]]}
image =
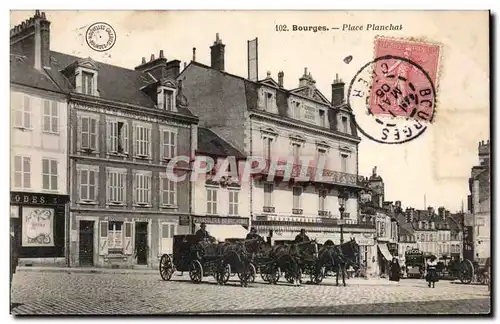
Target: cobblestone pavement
{"points": [[87, 293]]}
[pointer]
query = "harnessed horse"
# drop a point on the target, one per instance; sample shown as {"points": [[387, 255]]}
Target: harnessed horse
{"points": [[292, 257], [345, 255]]}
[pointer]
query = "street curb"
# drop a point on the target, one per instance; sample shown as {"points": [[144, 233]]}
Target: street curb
{"points": [[87, 270]]}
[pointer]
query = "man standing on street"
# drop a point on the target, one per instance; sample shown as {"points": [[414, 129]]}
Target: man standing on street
{"points": [[202, 234]]}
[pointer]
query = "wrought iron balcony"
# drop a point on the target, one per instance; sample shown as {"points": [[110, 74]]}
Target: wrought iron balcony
{"points": [[309, 173], [297, 211], [268, 209]]}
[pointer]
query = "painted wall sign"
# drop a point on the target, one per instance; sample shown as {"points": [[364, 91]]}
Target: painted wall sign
{"points": [[27, 198], [184, 220], [221, 220], [38, 227]]}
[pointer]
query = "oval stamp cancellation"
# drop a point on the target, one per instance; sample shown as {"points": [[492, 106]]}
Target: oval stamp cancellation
{"points": [[100, 36], [394, 96]]}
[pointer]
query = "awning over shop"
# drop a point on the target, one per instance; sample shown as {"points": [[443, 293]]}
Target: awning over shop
{"points": [[385, 252], [222, 232]]}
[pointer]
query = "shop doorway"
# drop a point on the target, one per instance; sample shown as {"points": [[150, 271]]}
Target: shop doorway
{"points": [[86, 244], [141, 242]]}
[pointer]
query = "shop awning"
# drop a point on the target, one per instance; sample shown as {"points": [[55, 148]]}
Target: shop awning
{"points": [[385, 252], [222, 232]]}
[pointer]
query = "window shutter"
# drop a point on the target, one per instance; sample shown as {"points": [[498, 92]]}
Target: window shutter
{"points": [[124, 138], [149, 142], [96, 183], [136, 137], [163, 142], [79, 184], [79, 133], [160, 238], [109, 133], [160, 99], [134, 188], [127, 241], [173, 144], [108, 186], [103, 238]]}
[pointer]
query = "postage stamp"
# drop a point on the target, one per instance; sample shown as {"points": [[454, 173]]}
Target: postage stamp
{"points": [[394, 96]]}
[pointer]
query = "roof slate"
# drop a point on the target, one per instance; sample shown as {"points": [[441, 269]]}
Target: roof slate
{"points": [[211, 143], [21, 72]]}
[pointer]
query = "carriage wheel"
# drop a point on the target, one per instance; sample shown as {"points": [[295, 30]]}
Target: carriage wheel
{"points": [[264, 276], [466, 271], [288, 277], [222, 275], [317, 275], [196, 271], [274, 274], [251, 275], [166, 267]]}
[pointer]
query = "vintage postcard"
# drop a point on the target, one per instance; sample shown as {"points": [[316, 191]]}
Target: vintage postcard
{"points": [[250, 162]]}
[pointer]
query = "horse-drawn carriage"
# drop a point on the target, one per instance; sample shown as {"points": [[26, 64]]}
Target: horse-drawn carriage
{"points": [[203, 259], [475, 271], [414, 263]]}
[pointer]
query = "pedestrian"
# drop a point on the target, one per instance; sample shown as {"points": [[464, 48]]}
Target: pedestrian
{"points": [[432, 275], [14, 257], [253, 235], [394, 270]]}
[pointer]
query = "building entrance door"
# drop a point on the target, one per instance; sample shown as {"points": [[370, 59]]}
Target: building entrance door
{"points": [[86, 246], [141, 242]]}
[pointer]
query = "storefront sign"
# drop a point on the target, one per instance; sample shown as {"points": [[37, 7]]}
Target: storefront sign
{"points": [[221, 220], [364, 241], [468, 243], [37, 199], [14, 211], [184, 220], [38, 227]]}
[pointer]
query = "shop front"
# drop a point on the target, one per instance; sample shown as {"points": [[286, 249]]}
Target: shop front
{"points": [[223, 227], [123, 240], [38, 221], [384, 257]]}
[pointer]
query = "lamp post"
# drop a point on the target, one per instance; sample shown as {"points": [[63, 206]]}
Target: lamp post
{"points": [[342, 200]]}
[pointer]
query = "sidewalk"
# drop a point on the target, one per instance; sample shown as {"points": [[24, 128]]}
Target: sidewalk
{"points": [[87, 270]]}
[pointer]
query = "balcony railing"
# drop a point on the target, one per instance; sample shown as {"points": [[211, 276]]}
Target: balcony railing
{"points": [[297, 211], [309, 173], [268, 209], [324, 213]]}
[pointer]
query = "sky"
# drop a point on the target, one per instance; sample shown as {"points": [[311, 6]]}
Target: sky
{"points": [[435, 165]]}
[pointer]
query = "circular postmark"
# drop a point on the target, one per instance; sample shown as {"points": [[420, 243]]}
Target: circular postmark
{"points": [[393, 99], [100, 37]]}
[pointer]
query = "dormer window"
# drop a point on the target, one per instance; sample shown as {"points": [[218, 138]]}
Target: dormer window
{"points": [[268, 101], [322, 119], [87, 83], [344, 124], [166, 98]]}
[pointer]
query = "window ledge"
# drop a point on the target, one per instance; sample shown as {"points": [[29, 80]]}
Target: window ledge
{"points": [[143, 157], [87, 150], [21, 128], [142, 205], [51, 133], [118, 154], [55, 191], [169, 206], [117, 204], [87, 202]]}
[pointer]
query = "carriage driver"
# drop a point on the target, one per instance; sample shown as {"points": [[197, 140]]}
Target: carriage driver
{"points": [[302, 237], [253, 234], [202, 234]]}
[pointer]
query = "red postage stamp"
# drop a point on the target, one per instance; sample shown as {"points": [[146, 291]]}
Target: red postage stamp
{"points": [[413, 66]]}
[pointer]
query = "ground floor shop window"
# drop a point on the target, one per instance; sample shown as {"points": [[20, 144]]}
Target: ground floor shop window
{"points": [[115, 237]]}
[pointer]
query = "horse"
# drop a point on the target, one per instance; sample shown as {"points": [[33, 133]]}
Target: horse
{"points": [[292, 256], [345, 255]]}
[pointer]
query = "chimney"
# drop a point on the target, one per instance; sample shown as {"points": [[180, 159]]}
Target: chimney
{"points": [[156, 66], [173, 69], [217, 54], [430, 211], [194, 53], [31, 38], [304, 80], [447, 214], [337, 91], [280, 78], [441, 212]]}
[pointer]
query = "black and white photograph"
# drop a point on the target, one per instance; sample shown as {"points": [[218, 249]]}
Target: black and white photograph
{"points": [[328, 162]]}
